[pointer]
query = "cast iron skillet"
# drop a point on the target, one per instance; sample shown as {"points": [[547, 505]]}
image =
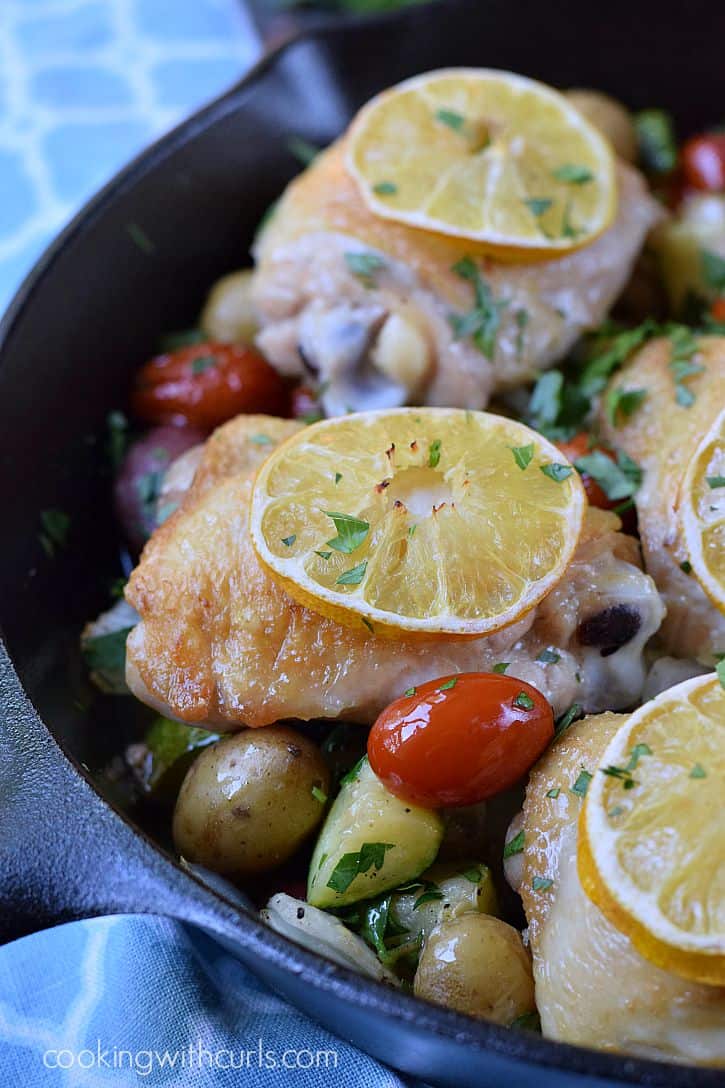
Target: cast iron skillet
{"points": [[136, 261]]}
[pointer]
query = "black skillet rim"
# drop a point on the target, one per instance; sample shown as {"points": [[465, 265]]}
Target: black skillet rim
{"points": [[324, 974]]}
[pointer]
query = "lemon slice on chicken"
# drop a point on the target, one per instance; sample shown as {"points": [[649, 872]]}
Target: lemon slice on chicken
{"points": [[485, 155], [702, 512], [417, 521], [652, 836]]}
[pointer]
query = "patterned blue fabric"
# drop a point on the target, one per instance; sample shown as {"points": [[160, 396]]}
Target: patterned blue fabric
{"points": [[139, 1000], [84, 86]]}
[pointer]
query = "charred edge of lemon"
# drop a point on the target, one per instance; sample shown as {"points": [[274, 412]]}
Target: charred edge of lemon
{"points": [[702, 967]]}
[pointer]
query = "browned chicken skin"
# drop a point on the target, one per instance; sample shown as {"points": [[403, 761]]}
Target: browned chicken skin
{"points": [[220, 643], [662, 437], [592, 986], [386, 339]]}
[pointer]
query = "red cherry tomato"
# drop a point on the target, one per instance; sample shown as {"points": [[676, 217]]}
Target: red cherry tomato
{"points": [[460, 739], [703, 160], [204, 385], [718, 309], [579, 446]]}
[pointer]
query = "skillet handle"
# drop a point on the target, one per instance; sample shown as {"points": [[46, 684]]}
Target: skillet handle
{"points": [[64, 852]]}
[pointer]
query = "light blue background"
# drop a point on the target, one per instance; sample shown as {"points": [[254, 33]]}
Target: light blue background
{"points": [[84, 86]]}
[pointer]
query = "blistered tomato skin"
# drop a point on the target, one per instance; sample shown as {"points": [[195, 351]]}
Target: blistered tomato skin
{"points": [[204, 385], [703, 160], [460, 739]]}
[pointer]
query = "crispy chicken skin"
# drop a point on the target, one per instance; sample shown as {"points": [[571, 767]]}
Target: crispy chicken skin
{"points": [[386, 339], [662, 437], [592, 987], [220, 643]]}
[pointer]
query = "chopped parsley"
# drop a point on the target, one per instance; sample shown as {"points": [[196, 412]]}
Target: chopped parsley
{"points": [[698, 771], [623, 403], [338, 477], [636, 754], [714, 482], [352, 774], [184, 338], [686, 566], [365, 266], [288, 541], [385, 188], [371, 855], [164, 512], [427, 897], [684, 346], [625, 773], [449, 684], [573, 174], [581, 785], [434, 453], [140, 239], [324, 555], [482, 322], [148, 488], [553, 793], [351, 532], [524, 701], [515, 845], [304, 151], [55, 526], [473, 874], [720, 670], [368, 624], [549, 657], [319, 795], [556, 472], [500, 667], [107, 653], [410, 691], [618, 480], [521, 317], [117, 441], [528, 1021], [538, 206], [523, 455], [713, 269], [598, 370], [202, 363], [541, 883], [568, 718], [354, 576], [657, 141], [453, 120], [261, 440]]}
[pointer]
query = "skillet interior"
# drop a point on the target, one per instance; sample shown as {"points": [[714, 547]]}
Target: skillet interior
{"points": [[93, 309]]}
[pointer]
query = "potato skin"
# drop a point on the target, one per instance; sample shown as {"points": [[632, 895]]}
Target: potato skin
{"points": [[246, 803], [477, 964]]}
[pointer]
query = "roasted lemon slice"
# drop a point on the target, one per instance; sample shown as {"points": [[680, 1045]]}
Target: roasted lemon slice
{"points": [[652, 834], [417, 521], [489, 156], [702, 512]]}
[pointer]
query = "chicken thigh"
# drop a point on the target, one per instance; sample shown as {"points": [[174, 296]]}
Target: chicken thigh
{"points": [[662, 436], [592, 986], [220, 642], [375, 312]]}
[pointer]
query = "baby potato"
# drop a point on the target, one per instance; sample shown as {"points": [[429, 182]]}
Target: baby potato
{"points": [[611, 118], [477, 964], [228, 314], [247, 803]]}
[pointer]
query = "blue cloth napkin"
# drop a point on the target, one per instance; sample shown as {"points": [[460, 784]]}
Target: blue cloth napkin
{"points": [[84, 86], [140, 1000]]}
